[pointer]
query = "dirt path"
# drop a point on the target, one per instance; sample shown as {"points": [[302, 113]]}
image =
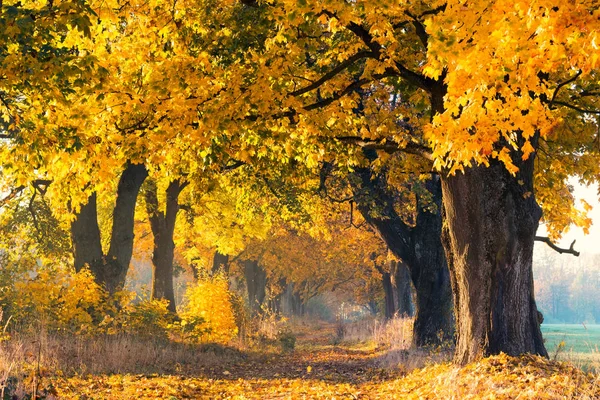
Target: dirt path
{"points": [[320, 370], [316, 369]]}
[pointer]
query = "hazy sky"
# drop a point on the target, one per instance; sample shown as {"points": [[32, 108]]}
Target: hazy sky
{"points": [[585, 243]]}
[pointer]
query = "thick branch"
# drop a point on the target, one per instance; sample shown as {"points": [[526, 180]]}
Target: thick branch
{"points": [[554, 247], [418, 24]]}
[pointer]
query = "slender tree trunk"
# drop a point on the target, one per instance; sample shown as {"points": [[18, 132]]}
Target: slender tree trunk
{"points": [[111, 269], [163, 228], [388, 291], [276, 299], [297, 304], [401, 282], [420, 247], [256, 283], [491, 220], [372, 306]]}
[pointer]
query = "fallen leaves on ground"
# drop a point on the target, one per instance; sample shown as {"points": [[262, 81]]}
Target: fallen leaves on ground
{"points": [[340, 373]]}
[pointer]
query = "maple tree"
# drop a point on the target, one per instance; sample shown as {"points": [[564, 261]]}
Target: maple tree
{"points": [[496, 98], [480, 123]]}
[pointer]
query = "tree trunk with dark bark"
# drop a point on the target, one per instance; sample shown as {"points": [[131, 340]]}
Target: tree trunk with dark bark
{"points": [[163, 228], [85, 235], [434, 318], [220, 263], [419, 247], [389, 299], [256, 283], [401, 282], [491, 220], [111, 269]]}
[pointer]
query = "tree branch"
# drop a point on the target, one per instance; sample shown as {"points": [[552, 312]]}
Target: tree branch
{"points": [[363, 34], [554, 247], [331, 74], [419, 27], [234, 165], [13, 193], [389, 72], [389, 146], [563, 84], [576, 108]]}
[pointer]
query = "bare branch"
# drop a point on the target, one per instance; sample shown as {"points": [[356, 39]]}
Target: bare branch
{"points": [[554, 247]]}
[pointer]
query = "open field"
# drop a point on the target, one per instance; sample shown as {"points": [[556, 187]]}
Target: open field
{"points": [[579, 344]]}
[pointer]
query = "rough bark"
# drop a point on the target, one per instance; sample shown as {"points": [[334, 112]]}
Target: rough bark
{"points": [[490, 223], [163, 228], [434, 318], [111, 269], [419, 247], [256, 283]]}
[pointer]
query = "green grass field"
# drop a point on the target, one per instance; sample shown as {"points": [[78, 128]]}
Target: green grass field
{"points": [[576, 343]]}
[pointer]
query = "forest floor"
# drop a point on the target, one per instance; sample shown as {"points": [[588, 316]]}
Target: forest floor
{"points": [[319, 369]]}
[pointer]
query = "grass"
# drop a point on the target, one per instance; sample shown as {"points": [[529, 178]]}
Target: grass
{"points": [[364, 360], [579, 344], [30, 362]]}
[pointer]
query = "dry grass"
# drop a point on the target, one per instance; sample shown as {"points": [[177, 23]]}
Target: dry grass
{"points": [[395, 336], [27, 359]]}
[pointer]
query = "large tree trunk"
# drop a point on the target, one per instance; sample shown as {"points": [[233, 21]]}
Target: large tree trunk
{"points": [[434, 320], [420, 247], [163, 228], [401, 281], [109, 270], [85, 235], [491, 220], [256, 283]]}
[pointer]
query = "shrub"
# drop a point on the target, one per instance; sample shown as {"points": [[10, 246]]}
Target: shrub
{"points": [[287, 339], [148, 318], [56, 299], [207, 315]]}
